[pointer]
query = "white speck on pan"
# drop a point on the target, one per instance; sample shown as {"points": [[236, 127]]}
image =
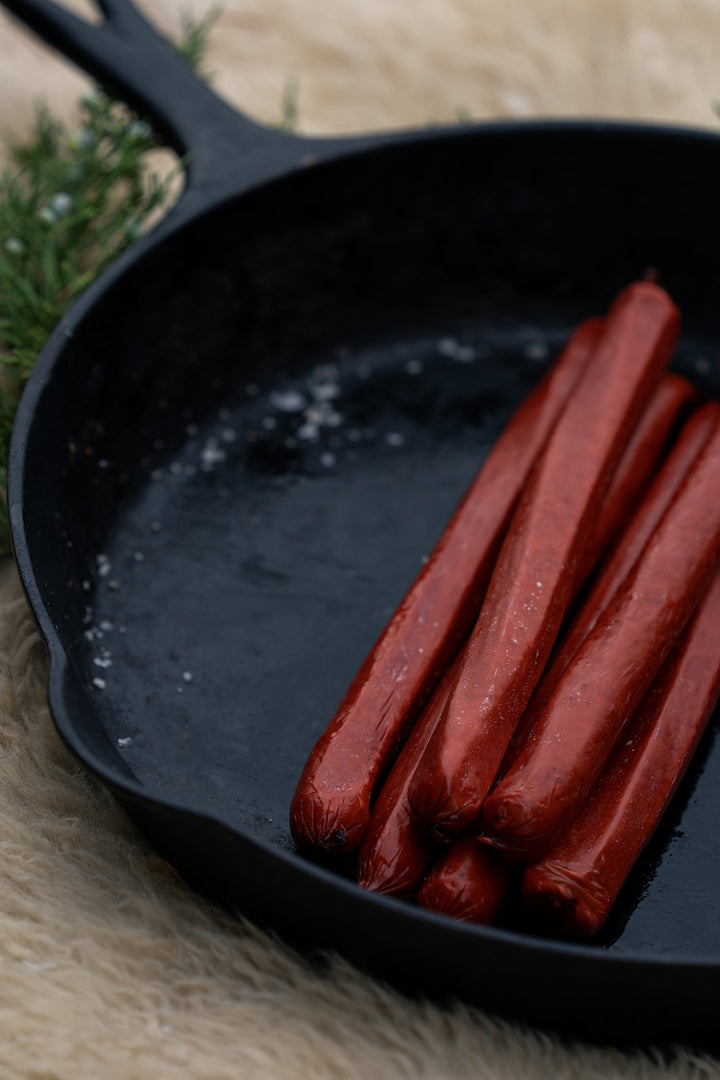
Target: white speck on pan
{"points": [[124, 740], [288, 401], [454, 350], [308, 432], [536, 350], [138, 556], [99, 683], [325, 391], [212, 454], [395, 438], [187, 676]]}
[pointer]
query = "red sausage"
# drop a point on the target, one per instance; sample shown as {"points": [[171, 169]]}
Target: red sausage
{"points": [[648, 441], [618, 563], [573, 888], [330, 808], [396, 851], [468, 882], [536, 571], [608, 677]]}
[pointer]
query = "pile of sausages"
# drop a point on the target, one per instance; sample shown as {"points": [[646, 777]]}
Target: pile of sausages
{"points": [[538, 694]]}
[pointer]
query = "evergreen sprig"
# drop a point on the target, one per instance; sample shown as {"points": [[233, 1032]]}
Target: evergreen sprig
{"points": [[70, 203]]}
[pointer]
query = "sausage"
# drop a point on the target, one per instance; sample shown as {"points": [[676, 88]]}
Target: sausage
{"points": [[648, 441], [396, 851], [468, 882], [613, 669], [538, 564], [330, 808], [618, 563], [573, 888]]}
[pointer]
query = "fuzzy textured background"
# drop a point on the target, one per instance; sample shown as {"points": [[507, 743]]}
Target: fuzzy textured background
{"points": [[109, 967]]}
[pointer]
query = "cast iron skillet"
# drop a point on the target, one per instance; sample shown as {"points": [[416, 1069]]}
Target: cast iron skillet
{"points": [[236, 449]]}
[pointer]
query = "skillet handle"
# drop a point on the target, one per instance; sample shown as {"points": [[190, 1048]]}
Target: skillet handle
{"points": [[134, 63]]}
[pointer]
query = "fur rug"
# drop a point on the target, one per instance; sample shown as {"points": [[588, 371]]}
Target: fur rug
{"points": [[109, 967]]}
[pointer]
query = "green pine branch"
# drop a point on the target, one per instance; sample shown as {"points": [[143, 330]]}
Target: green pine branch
{"points": [[70, 203]]}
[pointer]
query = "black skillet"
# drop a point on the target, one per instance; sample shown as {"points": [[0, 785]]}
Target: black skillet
{"points": [[236, 449]]}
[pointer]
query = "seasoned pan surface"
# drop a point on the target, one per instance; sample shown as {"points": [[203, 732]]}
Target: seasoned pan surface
{"points": [[235, 454]]}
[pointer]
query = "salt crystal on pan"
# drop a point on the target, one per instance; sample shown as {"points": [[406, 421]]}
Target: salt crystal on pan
{"points": [[394, 438], [125, 740], [325, 391], [536, 350], [211, 454], [289, 401], [308, 432], [187, 676], [454, 350], [99, 683]]}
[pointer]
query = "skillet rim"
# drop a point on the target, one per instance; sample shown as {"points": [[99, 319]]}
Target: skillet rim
{"points": [[296, 154]]}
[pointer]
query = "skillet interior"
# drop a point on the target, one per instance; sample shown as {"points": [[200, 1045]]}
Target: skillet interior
{"points": [[214, 560]]}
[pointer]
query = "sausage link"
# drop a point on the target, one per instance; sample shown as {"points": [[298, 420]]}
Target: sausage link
{"points": [[468, 882], [618, 564], [396, 851], [330, 808], [573, 888], [537, 568], [605, 682], [647, 443]]}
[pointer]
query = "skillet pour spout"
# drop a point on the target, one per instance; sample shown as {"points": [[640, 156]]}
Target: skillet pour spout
{"points": [[236, 449]]}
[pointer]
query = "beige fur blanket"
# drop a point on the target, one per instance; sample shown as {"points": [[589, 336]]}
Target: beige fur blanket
{"points": [[110, 969]]}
